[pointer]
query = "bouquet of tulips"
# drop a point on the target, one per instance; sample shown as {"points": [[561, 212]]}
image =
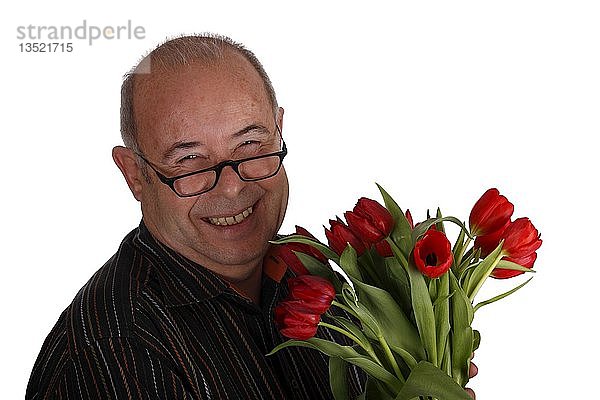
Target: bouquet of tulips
{"points": [[403, 294]]}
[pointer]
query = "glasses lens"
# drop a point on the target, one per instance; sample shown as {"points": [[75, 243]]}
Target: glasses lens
{"points": [[260, 168], [195, 184]]}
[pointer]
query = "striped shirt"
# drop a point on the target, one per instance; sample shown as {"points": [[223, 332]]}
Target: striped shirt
{"points": [[151, 324]]}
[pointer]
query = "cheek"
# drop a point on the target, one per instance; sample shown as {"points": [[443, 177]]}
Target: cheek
{"points": [[279, 191]]}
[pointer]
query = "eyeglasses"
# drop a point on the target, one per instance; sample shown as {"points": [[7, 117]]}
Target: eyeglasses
{"points": [[249, 169]]}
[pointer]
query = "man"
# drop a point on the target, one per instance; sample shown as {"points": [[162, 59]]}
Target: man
{"points": [[184, 308]]}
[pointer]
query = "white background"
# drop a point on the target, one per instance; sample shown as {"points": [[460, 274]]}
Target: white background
{"points": [[437, 101]]}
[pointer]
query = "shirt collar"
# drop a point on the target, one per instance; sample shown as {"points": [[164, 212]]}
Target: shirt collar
{"points": [[185, 282]]}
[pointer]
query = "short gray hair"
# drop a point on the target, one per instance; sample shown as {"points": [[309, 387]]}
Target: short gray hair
{"points": [[204, 48]]}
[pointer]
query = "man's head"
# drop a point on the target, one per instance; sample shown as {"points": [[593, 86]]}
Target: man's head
{"points": [[201, 101]]}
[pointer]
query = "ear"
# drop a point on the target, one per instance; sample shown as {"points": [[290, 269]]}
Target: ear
{"points": [[126, 161], [279, 118]]}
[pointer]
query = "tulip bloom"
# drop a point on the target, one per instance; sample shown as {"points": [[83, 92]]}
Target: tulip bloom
{"points": [[286, 253], [521, 239], [490, 213], [370, 221], [384, 249], [340, 235], [295, 323], [489, 242], [313, 293], [433, 254]]}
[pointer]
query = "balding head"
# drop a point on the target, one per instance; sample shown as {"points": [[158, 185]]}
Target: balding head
{"points": [[181, 52]]}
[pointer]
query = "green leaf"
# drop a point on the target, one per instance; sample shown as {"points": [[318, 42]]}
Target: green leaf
{"points": [[427, 380], [315, 267], [504, 264], [476, 339], [462, 333], [395, 326], [349, 264], [338, 382], [441, 310], [482, 272], [457, 251], [406, 356], [500, 296], [399, 286], [425, 225], [375, 390], [348, 354], [401, 234], [440, 224], [353, 329], [326, 251], [423, 309]]}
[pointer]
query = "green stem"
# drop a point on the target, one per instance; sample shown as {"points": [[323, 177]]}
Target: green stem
{"points": [[391, 358], [344, 332], [397, 252], [345, 308], [487, 274], [462, 251]]}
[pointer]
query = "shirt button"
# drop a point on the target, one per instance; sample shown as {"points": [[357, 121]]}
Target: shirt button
{"points": [[295, 385]]}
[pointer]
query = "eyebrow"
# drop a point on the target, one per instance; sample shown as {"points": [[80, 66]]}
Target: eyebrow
{"points": [[250, 129], [179, 145], [183, 145]]}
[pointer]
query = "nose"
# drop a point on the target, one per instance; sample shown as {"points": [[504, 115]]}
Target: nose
{"points": [[229, 184]]}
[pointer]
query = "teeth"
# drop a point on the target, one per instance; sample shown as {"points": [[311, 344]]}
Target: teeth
{"points": [[236, 219]]}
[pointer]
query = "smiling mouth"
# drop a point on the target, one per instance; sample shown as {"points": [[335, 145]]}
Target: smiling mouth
{"points": [[232, 220]]}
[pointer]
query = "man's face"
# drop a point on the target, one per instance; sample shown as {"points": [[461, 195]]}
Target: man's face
{"points": [[193, 118]]}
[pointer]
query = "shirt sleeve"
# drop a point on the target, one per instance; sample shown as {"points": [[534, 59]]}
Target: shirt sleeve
{"points": [[118, 368]]}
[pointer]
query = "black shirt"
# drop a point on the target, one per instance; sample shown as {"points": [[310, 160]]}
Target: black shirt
{"points": [[151, 324]]}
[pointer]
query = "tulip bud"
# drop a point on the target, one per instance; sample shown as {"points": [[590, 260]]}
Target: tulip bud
{"points": [[340, 235], [489, 242], [521, 239], [294, 323], [384, 249], [314, 293], [286, 253], [370, 221], [490, 213], [433, 254]]}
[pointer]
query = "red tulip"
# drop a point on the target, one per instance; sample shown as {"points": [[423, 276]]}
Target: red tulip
{"points": [[490, 213], [307, 248], [489, 242], [384, 249], [527, 261], [314, 293], [409, 219], [520, 238], [294, 323], [340, 235], [433, 254], [370, 221], [286, 253]]}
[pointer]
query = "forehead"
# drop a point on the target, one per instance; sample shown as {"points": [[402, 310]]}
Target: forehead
{"points": [[201, 102]]}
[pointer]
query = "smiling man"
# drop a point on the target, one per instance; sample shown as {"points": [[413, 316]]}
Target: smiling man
{"points": [[183, 310]]}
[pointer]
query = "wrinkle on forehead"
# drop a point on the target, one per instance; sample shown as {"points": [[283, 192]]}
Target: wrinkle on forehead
{"points": [[159, 113]]}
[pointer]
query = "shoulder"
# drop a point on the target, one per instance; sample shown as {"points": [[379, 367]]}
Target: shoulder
{"points": [[105, 306]]}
